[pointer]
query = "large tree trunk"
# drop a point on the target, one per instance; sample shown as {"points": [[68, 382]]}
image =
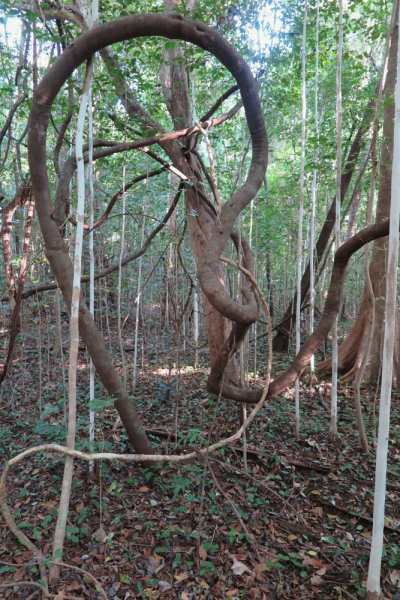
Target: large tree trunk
{"points": [[349, 349], [175, 81]]}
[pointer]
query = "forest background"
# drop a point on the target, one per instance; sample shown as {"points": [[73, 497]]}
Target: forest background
{"points": [[145, 236]]}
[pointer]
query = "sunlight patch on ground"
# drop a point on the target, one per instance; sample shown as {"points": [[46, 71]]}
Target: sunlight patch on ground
{"points": [[175, 371]]}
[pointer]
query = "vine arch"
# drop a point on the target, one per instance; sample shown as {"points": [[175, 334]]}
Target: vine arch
{"points": [[173, 26]]}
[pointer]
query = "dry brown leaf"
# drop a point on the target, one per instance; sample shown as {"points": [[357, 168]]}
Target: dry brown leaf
{"points": [[239, 556], [202, 553], [316, 580], [395, 577], [314, 562], [99, 535], [239, 568], [181, 576]]}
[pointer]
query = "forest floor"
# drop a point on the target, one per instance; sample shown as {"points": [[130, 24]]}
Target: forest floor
{"points": [[297, 525]]}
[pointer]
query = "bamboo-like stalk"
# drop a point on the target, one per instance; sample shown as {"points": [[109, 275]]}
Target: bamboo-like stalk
{"points": [[121, 255], [196, 327], [301, 213], [59, 534], [334, 427], [137, 304], [91, 275], [314, 189]]}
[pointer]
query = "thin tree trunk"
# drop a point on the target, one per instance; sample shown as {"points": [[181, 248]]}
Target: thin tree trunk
{"points": [[334, 428], [138, 304], [314, 189], [91, 275], [63, 509], [196, 327], [301, 213], [373, 582], [121, 256]]}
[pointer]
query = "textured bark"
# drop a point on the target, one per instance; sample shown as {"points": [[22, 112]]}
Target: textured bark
{"points": [[298, 366], [15, 320], [174, 27], [20, 198]]}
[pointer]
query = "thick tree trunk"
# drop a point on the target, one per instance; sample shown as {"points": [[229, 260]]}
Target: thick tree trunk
{"points": [[349, 349], [176, 93]]}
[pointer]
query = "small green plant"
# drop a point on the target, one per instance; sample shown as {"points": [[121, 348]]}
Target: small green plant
{"points": [[206, 568]]}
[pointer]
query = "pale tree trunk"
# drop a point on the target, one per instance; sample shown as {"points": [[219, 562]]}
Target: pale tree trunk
{"points": [[138, 302], [59, 534], [314, 191], [334, 428], [121, 256], [91, 275], [94, 13], [373, 582], [301, 213], [196, 327]]}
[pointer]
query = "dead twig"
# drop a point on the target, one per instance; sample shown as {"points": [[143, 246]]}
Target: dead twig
{"points": [[235, 510]]}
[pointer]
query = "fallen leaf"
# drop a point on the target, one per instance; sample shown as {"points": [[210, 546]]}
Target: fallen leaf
{"points": [[99, 535], [181, 576], [314, 562], [395, 577], [239, 568], [154, 565], [316, 580], [202, 553]]}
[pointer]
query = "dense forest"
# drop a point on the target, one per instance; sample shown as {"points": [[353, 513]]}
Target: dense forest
{"points": [[200, 358]]}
